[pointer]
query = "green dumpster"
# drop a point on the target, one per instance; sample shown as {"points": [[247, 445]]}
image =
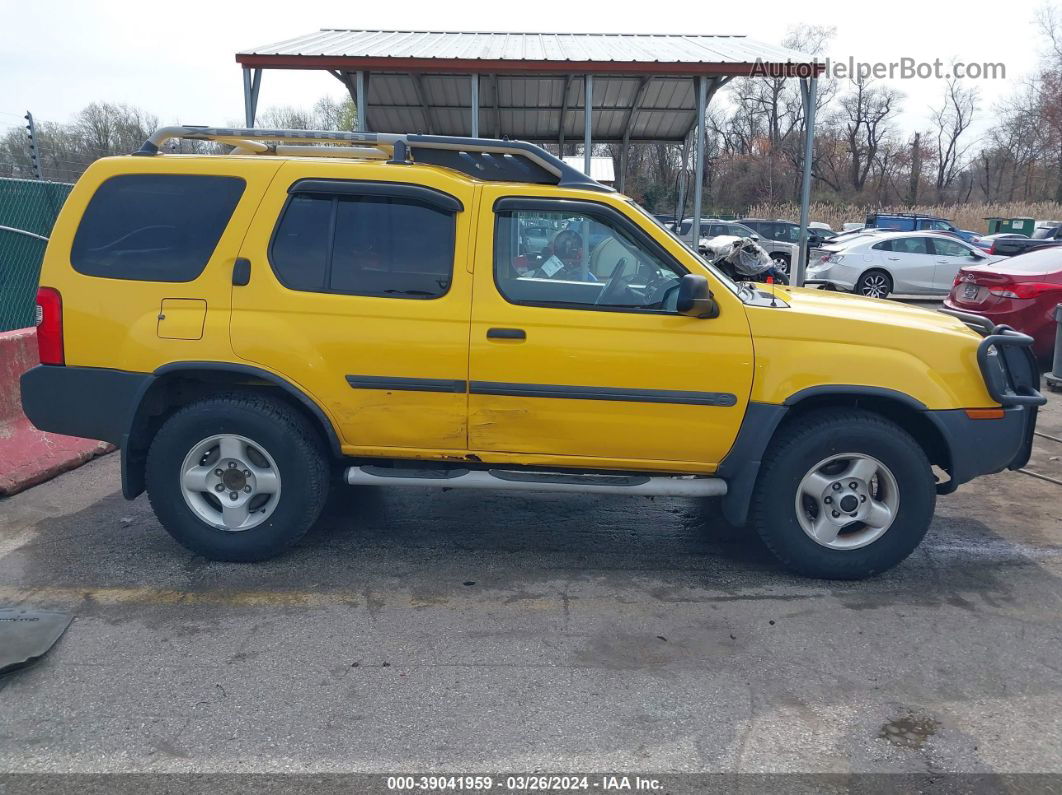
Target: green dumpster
{"points": [[1022, 226]]}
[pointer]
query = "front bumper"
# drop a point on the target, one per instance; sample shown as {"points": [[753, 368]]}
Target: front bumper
{"points": [[1012, 378], [983, 447]]}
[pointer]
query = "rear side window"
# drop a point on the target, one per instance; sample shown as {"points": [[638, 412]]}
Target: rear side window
{"points": [[154, 227], [950, 248], [364, 245], [905, 245]]}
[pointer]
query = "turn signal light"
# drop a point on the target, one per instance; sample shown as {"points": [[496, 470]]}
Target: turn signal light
{"points": [[984, 414]]}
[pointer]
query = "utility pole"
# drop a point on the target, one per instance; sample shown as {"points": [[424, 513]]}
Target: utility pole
{"points": [[33, 146]]}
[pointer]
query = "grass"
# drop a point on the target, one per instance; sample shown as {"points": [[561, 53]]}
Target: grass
{"points": [[964, 216]]}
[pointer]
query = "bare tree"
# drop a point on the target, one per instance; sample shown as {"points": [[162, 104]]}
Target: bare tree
{"points": [[1049, 87], [866, 115], [952, 120]]}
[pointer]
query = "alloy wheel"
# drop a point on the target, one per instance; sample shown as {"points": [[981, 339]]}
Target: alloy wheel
{"points": [[875, 286], [847, 501], [230, 482]]}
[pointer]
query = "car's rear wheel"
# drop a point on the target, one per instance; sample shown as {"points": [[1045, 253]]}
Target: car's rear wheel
{"points": [[237, 477], [874, 284], [781, 262], [843, 494]]}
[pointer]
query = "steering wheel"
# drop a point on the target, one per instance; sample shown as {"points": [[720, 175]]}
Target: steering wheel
{"points": [[613, 284]]}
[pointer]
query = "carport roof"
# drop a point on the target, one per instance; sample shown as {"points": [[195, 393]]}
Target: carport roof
{"points": [[420, 79], [564, 52]]}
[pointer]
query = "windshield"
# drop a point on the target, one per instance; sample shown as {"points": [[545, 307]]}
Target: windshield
{"points": [[739, 290]]}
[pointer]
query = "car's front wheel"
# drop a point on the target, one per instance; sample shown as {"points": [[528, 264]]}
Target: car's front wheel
{"points": [[843, 494], [237, 477]]}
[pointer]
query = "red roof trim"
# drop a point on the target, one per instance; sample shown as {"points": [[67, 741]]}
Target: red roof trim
{"points": [[510, 66]]}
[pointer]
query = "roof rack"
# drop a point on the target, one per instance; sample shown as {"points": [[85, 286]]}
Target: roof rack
{"points": [[483, 158], [907, 215]]}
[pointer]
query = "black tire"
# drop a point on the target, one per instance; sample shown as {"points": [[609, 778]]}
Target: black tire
{"points": [[782, 262], [289, 438], [875, 283], [814, 438]]}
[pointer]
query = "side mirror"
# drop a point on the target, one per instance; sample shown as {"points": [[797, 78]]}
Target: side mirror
{"points": [[695, 297]]}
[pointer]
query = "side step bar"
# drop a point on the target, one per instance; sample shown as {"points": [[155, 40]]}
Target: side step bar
{"points": [[520, 480]]}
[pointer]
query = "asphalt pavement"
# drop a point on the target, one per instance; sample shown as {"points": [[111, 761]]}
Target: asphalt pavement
{"points": [[422, 630]]}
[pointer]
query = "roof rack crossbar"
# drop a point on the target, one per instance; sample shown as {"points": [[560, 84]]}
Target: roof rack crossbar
{"points": [[255, 141]]}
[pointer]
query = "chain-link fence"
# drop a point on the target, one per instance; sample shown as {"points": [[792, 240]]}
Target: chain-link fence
{"points": [[28, 210]]}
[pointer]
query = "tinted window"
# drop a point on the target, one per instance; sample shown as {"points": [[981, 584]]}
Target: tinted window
{"points": [[940, 225], [154, 227], [364, 245], [589, 262], [301, 244], [950, 248], [910, 245]]}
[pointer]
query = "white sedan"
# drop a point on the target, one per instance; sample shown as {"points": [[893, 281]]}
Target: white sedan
{"points": [[878, 263]]}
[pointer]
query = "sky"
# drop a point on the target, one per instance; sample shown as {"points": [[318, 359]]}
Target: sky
{"points": [[176, 60]]}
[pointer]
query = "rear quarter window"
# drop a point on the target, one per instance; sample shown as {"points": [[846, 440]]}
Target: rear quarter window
{"points": [[154, 227]]}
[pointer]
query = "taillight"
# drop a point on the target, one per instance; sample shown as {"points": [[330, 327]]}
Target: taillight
{"points": [[1024, 290], [50, 326], [993, 249]]}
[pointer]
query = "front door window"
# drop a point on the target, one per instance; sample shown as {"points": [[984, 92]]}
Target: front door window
{"points": [[579, 261]]}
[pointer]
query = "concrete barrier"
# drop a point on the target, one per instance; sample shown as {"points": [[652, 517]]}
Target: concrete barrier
{"points": [[29, 456]]}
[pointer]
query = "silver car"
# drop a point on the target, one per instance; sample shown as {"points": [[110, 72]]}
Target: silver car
{"points": [[909, 263]]}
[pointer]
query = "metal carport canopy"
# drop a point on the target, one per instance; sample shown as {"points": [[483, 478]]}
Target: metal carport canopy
{"points": [[535, 86]]}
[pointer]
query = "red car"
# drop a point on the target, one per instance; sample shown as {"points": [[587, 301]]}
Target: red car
{"points": [[1021, 292]]}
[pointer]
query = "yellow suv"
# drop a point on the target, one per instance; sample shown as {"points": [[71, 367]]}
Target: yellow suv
{"points": [[418, 310]]}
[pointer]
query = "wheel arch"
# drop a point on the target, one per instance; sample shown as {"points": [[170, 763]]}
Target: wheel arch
{"points": [[764, 421], [179, 383]]}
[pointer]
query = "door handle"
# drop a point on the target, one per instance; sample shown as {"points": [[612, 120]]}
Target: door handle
{"points": [[893, 259], [506, 334], [241, 272]]}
